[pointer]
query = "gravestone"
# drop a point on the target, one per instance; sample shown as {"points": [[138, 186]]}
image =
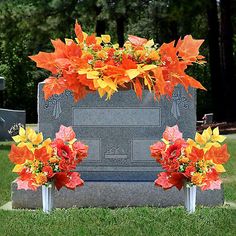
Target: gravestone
{"points": [[119, 171], [9, 117], [2, 83]]}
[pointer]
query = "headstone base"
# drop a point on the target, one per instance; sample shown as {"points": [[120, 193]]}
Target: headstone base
{"points": [[114, 194]]}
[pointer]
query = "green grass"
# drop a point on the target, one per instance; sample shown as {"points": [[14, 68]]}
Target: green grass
{"points": [[125, 221]]}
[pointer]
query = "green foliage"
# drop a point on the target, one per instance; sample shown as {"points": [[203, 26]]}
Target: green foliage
{"points": [[26, 27]]}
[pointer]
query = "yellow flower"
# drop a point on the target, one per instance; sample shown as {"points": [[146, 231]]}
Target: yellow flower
{"points": [[154, 55], [183, 159], [197, 178], [41, 178], [53, 160]]}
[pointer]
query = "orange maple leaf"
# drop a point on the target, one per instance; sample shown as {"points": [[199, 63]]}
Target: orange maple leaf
{"points": [[219, 155], [90, 40], [46, 61], [138, 88], [53, 86], [79, 32], [196, 154], [18, 155], [42, 155], [188, 48]]}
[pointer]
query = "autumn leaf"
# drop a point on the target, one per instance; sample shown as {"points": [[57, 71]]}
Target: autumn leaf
{"points": [[106, 38], [18, 155], [137, 40], [219, 155], [172, 133], [42, 155], [138, 88], [46, 61], [90, 40], [53, 86], [188, 48], [60, 180], [196, 154], [163, 181], [79, 32], [74, 180], [65, 133]]}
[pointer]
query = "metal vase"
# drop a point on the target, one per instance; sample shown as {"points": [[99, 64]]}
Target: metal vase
{"points": [[190, 198], [48, 197]]}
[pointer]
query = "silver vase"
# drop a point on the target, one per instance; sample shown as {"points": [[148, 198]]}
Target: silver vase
{"points": [[48, 197], [190, 198]]}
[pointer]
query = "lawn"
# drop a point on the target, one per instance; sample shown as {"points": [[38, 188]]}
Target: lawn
{"points": [[121, 221]]}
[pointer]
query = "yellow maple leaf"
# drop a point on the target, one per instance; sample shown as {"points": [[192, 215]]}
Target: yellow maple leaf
{"points": [[101, 83], [220, 168], [18, 168], [106, 38], [110, 83], [216, 137], [149, 43], [92, 74], [98, 40], [132, 73]]}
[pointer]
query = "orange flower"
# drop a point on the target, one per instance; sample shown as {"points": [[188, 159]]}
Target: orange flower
{"points": [[197, 178], [53, 160], [41, 178], [154, 55]]}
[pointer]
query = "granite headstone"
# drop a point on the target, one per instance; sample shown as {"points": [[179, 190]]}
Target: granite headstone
{"points": [[119, 131], [8, 118], [119, 171]]}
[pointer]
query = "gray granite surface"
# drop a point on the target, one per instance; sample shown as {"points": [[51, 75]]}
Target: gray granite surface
{"points": [[119, 131], [114, 194], [7, 119]]}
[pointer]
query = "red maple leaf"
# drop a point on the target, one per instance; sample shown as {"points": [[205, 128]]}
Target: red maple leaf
{"points": [[163, 181], [74, 180], [60, 180], [65, 133]]}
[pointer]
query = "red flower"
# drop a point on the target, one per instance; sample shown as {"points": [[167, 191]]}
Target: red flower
{"points": [[74, 180], [163, 180], [81, 151], [48, 170], [157, 149], [67, 165], [189, 170], [63, 151]]}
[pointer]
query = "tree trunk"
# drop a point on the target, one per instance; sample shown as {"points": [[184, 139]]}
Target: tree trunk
{"points": [[100, 24], [227, 59], [120, 28], [218, 90]]}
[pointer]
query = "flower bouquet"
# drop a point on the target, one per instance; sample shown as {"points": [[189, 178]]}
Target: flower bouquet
{"points": [[89, 63], [46, 163], [190, 163]]}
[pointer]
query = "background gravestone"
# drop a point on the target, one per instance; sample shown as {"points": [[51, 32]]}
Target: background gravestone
{"points": [[9, 117], [119, 171]]}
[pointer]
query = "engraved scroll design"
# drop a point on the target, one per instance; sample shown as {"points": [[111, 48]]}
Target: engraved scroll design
{"points": [[56, 103], [178, 99]]}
